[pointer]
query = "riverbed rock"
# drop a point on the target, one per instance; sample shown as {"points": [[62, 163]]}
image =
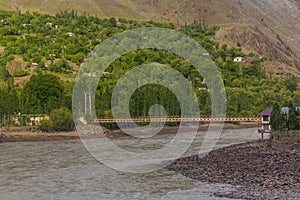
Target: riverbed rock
{"points": [[257, 170]]}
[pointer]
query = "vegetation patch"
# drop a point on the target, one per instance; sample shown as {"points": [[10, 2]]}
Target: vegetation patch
{"points": [[57, 44], [20, 73]]}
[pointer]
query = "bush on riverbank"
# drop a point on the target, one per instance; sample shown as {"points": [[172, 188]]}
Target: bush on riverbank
{"points": [[60, 120], [46, 125]]}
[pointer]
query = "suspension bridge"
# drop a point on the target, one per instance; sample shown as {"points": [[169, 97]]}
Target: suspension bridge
{"points": [[180, 119]]}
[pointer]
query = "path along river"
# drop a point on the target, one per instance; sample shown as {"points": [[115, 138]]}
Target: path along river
{"points": [[66, 170]]}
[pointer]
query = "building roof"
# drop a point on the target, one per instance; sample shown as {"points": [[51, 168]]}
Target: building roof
{"points": [[266, 112]]}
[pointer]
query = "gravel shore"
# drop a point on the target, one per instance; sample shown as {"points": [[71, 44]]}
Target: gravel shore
{"points": [[25, 134], [255, 169]]}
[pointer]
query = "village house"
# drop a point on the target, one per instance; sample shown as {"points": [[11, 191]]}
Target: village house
{"points": [[30, 120], [286, 110], [238, 59], [266, 118]]}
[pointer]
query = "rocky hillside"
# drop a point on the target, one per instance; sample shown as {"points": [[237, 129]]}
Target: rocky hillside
{"points": [[267, 27]]}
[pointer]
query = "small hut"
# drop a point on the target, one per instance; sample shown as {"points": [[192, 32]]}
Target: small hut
{"points": [[265, 120]]}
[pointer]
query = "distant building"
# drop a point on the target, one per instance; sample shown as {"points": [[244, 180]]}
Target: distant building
{"points": [[30, 120], [49, 24], [206, 55], [286, 110], [34, 64], [238, 59], [90, 74], [265, 120], [52, 55], [25, 25], [70, 34]]}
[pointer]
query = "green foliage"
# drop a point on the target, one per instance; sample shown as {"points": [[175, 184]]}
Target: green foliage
{"points": [[62, 42], [293, 122], [60, 66], [46, 125], [291, 83], [41, 94], [278, 121], [20, 73], [62, 119], [3, 73], [298, 140], [8, 101]]}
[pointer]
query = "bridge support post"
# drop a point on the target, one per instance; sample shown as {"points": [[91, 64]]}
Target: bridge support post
{"points": [[87, 103]]}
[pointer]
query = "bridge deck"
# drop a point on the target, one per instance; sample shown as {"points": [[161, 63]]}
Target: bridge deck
{"points": [[181, 119]]}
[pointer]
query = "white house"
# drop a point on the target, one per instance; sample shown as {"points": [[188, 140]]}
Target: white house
{"points": [[238, 59], [286, 110]]}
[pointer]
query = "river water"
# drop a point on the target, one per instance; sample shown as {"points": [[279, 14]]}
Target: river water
{"points": [[66, 170]]}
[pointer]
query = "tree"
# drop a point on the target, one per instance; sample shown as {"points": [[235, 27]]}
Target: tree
{"points": [[291, 82], [42, 94], [292, 122], [277, 119], [62, 119], [113, 21], [3, 73]]}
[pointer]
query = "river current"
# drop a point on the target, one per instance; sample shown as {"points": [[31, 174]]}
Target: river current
{"points": [[66, 170]]}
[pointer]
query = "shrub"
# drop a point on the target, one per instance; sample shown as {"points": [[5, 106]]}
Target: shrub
{"points": [[20, 73], [298, 140], [62, 119], [46, 125]]}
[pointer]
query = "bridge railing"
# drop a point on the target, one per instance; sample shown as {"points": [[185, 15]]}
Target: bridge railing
{"points": [[179, 119]]}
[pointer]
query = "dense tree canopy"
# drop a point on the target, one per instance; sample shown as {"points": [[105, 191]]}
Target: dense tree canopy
{"points": [[42, 94]]}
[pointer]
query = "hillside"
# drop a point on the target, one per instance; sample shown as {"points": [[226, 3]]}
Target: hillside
{"points": [[39, 50], [268, 27]]}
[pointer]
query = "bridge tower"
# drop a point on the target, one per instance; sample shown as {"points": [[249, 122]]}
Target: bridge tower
{"points": [[87, 103]]}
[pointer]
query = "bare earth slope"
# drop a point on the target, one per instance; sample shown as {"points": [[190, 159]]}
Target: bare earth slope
{"points": [[267, 27]]}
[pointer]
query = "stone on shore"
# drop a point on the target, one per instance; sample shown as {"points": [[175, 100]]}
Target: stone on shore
{"points": [[257, 170]]}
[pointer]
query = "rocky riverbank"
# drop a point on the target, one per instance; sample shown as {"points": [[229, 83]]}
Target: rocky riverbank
{"points": [[255, 169]]}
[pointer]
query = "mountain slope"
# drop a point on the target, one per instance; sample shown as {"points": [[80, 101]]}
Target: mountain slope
{"points": [[267, 27]]}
